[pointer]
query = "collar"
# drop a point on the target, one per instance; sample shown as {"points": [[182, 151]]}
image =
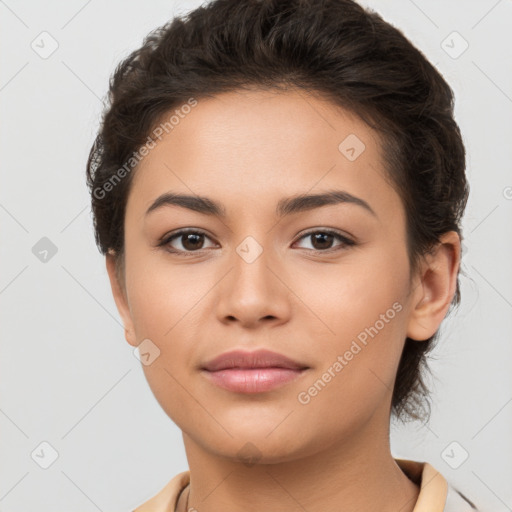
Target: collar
{"points": [[432, 497]]}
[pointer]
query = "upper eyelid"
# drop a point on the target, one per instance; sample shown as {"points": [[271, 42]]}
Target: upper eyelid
{"points": [[325, 230], [343, 238], [176, 235]]}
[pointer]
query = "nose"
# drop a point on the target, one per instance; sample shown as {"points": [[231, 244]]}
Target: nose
{"points": [[253, 292]]}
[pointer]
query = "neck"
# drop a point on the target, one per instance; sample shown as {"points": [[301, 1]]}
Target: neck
{"points": [[358, 472]]}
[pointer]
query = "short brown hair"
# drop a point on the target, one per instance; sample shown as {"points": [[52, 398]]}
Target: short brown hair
{"points": [[347, 54]]}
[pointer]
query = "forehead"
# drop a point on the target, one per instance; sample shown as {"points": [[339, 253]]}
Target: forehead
{"points": [[255, 146]]}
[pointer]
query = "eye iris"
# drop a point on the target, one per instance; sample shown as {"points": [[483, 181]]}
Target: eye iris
{"points": [[322, 238], [191, 237]]}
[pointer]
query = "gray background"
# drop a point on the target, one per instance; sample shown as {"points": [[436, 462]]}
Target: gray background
{"points": [[68, 377]]}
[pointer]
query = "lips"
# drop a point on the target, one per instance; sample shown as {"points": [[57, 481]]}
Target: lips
{"points": [[259, 371], [249, 360]]}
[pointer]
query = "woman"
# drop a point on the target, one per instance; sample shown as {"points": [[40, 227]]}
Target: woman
{"points": [[278, 188]]}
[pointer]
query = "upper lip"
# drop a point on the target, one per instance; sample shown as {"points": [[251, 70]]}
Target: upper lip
{"points": [[257, 359]]}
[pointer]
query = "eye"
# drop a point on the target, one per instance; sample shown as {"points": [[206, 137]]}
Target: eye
{"points": [[190, 240], [321, 240], [187, 241]]}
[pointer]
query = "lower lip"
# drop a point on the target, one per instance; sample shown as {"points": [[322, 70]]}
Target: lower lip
{"points": [[253, 380]]}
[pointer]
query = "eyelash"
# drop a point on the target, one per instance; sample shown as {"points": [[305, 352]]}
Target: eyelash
{"points": [[345, 242]]}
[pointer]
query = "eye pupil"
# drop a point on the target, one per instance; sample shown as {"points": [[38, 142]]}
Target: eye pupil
{"points": [[322, 238], [192, 237]]}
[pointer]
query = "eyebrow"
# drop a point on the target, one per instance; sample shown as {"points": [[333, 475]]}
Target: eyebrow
{"points": [[286, 206]]}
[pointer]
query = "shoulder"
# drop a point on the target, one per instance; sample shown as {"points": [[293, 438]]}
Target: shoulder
{"points": [[166, 499], [457, 502], [436, 493]]}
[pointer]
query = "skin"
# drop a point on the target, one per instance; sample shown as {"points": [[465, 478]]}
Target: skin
{"points": [[247, 150]]}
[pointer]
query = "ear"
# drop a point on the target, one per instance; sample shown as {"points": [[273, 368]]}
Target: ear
{"points": [[436, 287], [119, 293]]}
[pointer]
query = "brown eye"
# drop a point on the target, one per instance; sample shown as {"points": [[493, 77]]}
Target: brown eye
{"points": [[185, 241], [322, 240], [192, 241]]}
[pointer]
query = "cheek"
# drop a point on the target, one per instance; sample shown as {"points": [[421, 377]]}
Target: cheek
{"points": [[165, 304], [163, 296], [359, 367], [352, 295], [364, 311]]}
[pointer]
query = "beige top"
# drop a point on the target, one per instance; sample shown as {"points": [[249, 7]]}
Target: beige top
{"points": [[436, 495]]}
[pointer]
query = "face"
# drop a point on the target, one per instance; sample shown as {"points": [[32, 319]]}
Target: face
{"points": [[324, 282]]}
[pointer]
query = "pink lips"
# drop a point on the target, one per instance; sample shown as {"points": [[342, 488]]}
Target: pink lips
{"points": [[252, 372]]}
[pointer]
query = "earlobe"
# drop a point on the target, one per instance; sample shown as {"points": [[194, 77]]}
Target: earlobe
{"points": [[120, 299], [434, 294]]}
